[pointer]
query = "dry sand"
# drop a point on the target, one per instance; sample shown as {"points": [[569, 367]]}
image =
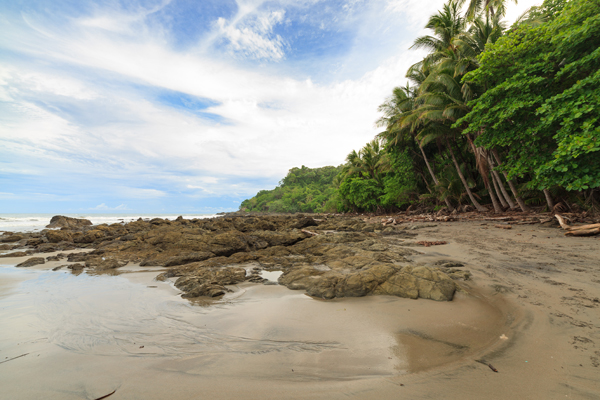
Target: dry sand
{"points": [[531, 310]]}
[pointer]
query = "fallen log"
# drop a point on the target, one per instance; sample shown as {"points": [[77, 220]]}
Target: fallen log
{"points": [[583, 232], [562, 222], [583, 227]]}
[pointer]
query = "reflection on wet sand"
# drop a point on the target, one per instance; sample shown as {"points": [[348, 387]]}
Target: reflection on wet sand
{"points": [[86, 334]]}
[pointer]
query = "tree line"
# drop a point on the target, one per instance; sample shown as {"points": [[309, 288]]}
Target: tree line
{"points": [[506, 116]]}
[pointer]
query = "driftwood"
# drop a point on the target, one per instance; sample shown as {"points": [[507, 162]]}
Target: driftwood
{"points": [[562, 222], [309, 232], [427, 244], [106, 395], [583, 227], [579, 230], [503, 226], [14, 358], [583, 232]]}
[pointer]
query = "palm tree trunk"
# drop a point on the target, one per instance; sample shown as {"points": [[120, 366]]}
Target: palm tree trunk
{"points": [[490, 188], [549, 199], [498, 192], [511, 185], [509, 201], [478, 206], [500, 189], [448, 204], [426, 183]]}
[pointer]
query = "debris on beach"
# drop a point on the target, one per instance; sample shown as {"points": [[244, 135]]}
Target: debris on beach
{"points": [[578, 230]]}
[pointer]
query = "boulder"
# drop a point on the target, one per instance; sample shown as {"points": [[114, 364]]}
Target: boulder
{"points": [[10, 238], [210, 282], [31, 262], [411, 282], [59, 236], [60, 221]]}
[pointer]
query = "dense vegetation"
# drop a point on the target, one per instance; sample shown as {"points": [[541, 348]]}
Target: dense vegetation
{"points": [[302, 190], [509, 117]]}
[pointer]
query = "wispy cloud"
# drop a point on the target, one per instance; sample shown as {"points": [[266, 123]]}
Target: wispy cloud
{"points": [[104, 207], [105, 97]]}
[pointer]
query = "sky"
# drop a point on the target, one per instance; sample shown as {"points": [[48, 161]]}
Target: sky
{"points": [[190, 105]]}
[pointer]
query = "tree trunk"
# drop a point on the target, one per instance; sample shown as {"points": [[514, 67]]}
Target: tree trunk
{"points": [[498, 191], [490, 188], [478, 206], [510, 202], [549, 199], [433, 176], [511, 185], [426, 183]]}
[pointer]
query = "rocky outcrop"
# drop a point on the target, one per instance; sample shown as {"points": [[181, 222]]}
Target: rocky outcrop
{"points": [[59, 236], [31, 262], [60, 221], [11, 238], [407, 281], [210, 282], [328, 256]]}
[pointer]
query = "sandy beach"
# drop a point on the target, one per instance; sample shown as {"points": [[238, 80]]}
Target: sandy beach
{"points": [[530, 311]]}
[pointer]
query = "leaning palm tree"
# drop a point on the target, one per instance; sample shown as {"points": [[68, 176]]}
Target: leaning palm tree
{"points": [[446, 25], [399, 117], [490, 8]]}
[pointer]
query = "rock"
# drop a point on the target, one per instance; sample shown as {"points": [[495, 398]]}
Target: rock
{"points": [[10, 238], [75, 267], [31, 262], [88, 237], [188, 258], [58, 236], [100, 264], [210, 282], [6, 247], [16, 254], [409, 281], [57, 257], [59, 221], [304, 223]]}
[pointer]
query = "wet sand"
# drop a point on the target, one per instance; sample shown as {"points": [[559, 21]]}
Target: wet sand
{"points": [[529, 310]]}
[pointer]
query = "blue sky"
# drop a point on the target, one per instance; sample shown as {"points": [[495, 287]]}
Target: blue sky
{"points": [[189, 105]]}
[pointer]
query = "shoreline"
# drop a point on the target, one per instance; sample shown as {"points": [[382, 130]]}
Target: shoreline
{"points": [[543, 283]]}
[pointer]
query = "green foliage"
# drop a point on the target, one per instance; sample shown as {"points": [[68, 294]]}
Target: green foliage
{"points": [[525, 102], [542, 106], [302, 190]]}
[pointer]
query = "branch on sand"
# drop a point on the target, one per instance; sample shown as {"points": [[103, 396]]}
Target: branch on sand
{"points": [[580, 230]]}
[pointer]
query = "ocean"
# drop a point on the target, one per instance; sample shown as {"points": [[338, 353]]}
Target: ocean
{"points": [[36, 222]]}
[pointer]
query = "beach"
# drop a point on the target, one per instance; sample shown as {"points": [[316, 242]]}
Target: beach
{"points": [[523, 325]]}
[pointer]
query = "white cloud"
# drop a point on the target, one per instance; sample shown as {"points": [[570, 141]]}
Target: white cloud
{"points": [[86, 106], [104, 207], [253, 38], [138, 193]]}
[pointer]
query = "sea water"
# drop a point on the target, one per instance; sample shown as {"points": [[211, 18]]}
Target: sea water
{"points": [[36, 222]]}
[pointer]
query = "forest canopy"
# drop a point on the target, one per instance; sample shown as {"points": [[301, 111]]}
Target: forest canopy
{"points": [[492, 117]]}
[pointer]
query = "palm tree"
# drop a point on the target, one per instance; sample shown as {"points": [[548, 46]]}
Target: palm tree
{"points": [[493, 8]]}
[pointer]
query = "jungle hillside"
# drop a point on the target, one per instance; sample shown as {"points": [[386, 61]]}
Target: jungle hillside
{"points": [[493, 118]]}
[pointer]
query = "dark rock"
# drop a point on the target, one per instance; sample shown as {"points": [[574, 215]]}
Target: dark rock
{"points": [[11, 238], [59, 221], [188, 258], [304, 223], [210, 282], [16, 254], [31, 262], [58, 236]]}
